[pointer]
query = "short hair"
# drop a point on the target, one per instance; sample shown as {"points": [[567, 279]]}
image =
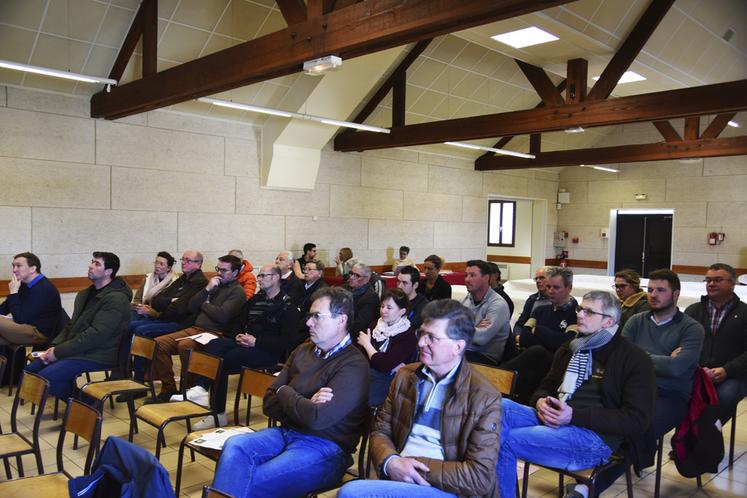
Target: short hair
{"points": [[461, 320], [111, 261], [565, 273], [365, 271], [668, 275], [233, 260], [287, 253], [436, 260], [31, 260], [413, 272], [722, 266], [494, 269], [482, 265], [317, 262], [631, 277], [340, 301], [308, 246], [398, 296], [610, 303], [199, 257], [236, 252], [168, 257], [404, 249], [275, 270], [346, 253]]}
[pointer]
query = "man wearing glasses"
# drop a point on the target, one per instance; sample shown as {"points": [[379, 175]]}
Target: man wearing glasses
{"points": [[319, 398], [216, 306], [313, 272], [437, 433], [724, 354], [598, 393], [365, 299]]}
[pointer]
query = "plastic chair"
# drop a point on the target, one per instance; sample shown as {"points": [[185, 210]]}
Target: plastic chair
{"points": [[81, 420], [161, 414], [251, 383]]}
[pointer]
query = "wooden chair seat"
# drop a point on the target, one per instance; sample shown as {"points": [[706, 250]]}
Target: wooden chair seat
{"points": [[48, 486], [14, 443], [159, 413], [100, 390]]}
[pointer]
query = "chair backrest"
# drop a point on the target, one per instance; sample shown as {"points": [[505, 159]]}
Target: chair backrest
{"points": [[251, 383], [143, 347], [209, 492], [3, 362], [33, 389], [83, 421], [503, 380], [204, 364]]}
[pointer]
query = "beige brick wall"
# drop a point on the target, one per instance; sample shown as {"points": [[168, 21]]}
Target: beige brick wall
{"points": [[168, 181]]}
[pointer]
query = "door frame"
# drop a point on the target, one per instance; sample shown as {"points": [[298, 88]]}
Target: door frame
{"points": [[612, 233]]}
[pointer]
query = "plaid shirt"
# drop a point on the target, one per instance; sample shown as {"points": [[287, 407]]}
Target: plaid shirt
{"points": [[716, 314], [319, 354]]}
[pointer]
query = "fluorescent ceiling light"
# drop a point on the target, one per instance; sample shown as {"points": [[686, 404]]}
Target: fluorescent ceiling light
{"points": [[288, 114], [491, 149], [627, 77], [525, 37], [574, 129], [600, 168], [318, 66], [733, 124], [17, 66]]}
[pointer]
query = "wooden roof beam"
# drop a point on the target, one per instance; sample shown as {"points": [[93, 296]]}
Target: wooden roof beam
{"points": [[541, 83], [660, 151], [145, 24], [667, 131], [697, 101], [717, 125], [359, 29], [294, 11]]}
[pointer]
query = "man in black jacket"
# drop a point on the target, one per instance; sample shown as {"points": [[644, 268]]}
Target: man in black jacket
{"points": [[365, 299], [724, 354], [599, 392]]}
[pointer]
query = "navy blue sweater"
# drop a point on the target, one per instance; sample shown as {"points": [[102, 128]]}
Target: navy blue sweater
{"points": [[38, 305]]}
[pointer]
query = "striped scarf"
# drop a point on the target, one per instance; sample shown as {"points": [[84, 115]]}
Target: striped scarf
{"points": [[579, 368]]}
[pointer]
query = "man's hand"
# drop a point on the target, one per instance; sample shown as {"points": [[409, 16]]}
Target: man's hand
{"points": [[553, 412], [48, 356], [483, 323], [14, 284], [717, 375], [213, 283], [405, 469], [323, 395], [246, 340], [145, 310], [676, 352]]}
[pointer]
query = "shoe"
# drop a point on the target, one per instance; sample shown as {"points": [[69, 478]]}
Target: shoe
{"points": [[199, 395], [572, 492], [209, 422], [123, 398], [163, 397]]}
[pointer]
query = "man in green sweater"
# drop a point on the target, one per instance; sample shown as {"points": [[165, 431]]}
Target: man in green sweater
{"points": [[319, 398]]}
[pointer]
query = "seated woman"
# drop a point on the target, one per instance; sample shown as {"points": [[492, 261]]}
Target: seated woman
{"points": [[154, 283], [393, 342], [434, 287], [345, 262]]}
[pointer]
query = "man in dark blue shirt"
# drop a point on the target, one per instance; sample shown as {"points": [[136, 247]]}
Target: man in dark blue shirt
{"points": [[33, 301]]}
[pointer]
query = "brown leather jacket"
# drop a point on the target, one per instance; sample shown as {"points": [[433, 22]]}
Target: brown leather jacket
{"points": [[470, 428]]}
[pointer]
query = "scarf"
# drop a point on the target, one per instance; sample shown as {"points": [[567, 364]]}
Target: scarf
{"points": [[152, 287], [579, 368], [383, 332]]}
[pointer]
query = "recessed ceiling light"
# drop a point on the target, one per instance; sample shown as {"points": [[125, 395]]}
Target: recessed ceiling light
{"points": [[525, 37], [733, 124], [627, 77]]}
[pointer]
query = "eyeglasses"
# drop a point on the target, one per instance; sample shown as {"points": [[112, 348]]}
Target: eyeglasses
{"points": [[714, 280], [306, 268], [187, 260], [354, 275], [590, 312], [539, 279], [619, 286], [263, 275], [222, 270], [429, 338], [316, 316]]}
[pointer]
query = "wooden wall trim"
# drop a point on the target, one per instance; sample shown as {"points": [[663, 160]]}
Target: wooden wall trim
{"points": [[579, 263], [524, 260], [329, 271]]}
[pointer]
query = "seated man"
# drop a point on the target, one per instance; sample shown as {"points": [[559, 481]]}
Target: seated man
{"points": [[724, 353], [497, 286], [437, 433], [284, 260], [320, 400], [434, 286], [535, 300], [92, 338], [492, 318], [216, 305], [628, 290], [246, 279], [408, 281], [267, 328], [309, 253], [33, 301], [598, 393], [673, 340], [313, 281], [365, 299], [404, 260]]}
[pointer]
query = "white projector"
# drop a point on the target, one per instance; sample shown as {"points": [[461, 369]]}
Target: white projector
{"points": [[322, 64]]}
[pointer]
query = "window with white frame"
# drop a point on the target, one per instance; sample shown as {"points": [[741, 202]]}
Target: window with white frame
{"points": [[501, 223]]}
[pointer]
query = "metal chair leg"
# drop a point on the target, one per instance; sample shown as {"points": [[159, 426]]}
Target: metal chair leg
{"points": [[659, 451]]}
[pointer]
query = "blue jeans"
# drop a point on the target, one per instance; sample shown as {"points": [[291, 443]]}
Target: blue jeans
{"points": [[390, 489], [62, 373], [280, 463], [730, 393], [151, 328], [524, 437]]}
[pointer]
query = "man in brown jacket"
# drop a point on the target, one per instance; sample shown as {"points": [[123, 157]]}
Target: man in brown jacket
{"points": [[437, 433]]}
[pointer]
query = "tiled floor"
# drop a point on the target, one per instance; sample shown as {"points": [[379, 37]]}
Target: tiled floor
{"points": [[727, 483]]}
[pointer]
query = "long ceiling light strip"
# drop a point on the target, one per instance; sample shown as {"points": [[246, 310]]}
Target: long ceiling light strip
{"points": [[288, 114], [600, 168], [18, 66], [504, 152]]}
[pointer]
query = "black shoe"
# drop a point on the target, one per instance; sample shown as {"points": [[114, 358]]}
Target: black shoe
{"points": [[123, 398], [163, 397]]}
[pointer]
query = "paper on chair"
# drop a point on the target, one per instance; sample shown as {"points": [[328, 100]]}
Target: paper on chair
{"points": [[202, 338], [216, 439]]}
